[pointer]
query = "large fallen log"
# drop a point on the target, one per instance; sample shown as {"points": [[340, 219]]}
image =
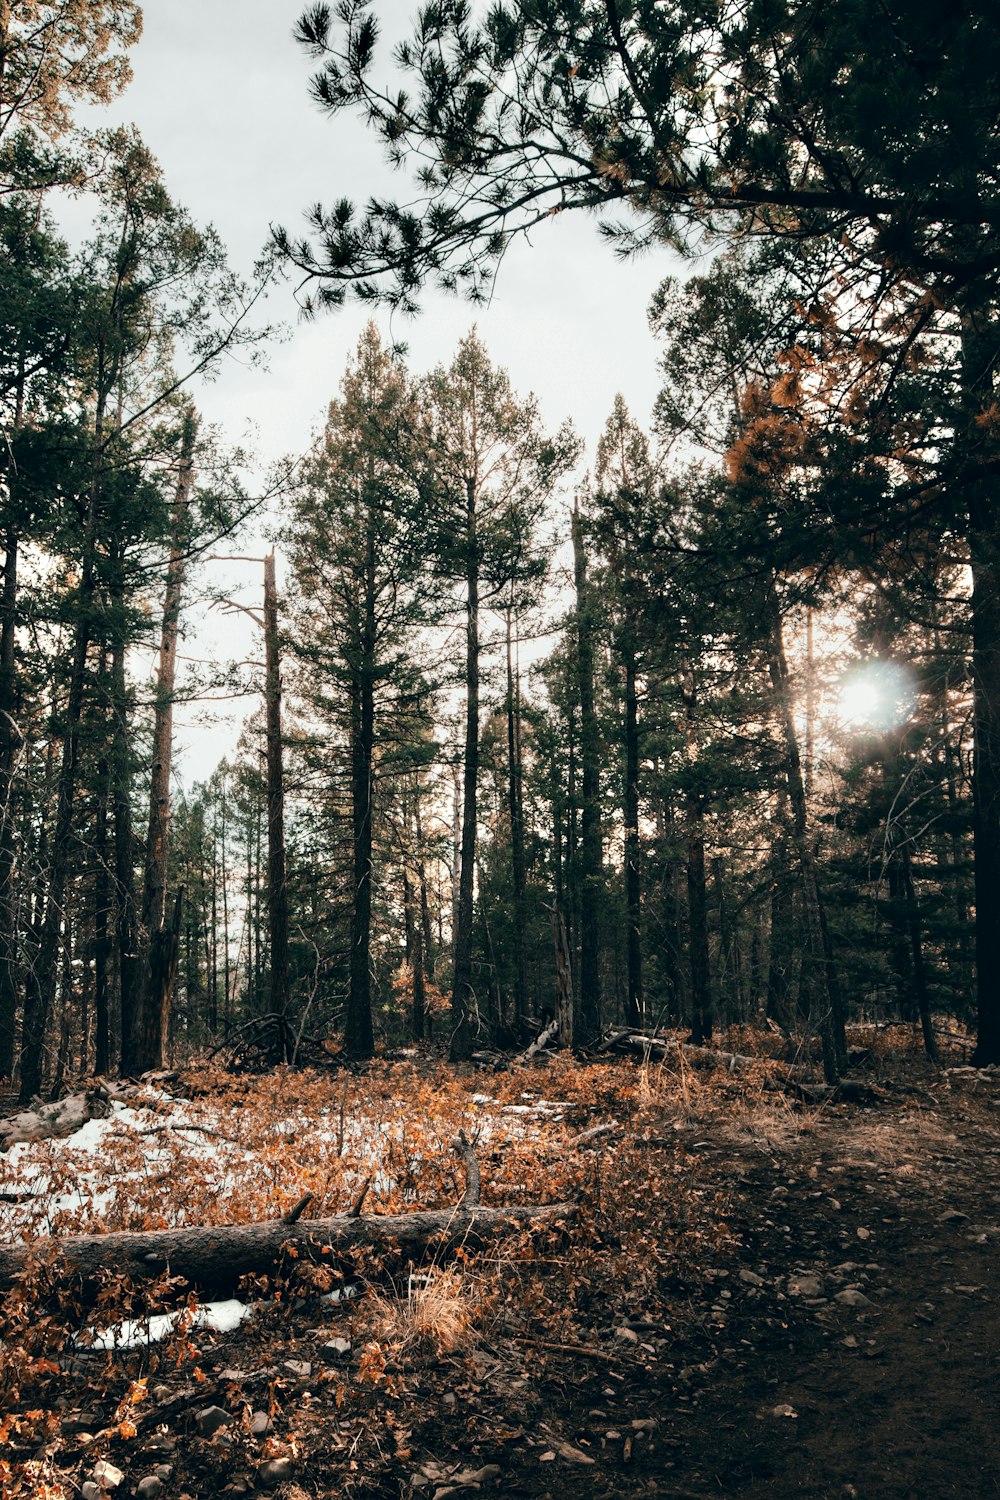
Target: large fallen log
{"points": [[61, 1118], [648, 1045], [213, 1258]]}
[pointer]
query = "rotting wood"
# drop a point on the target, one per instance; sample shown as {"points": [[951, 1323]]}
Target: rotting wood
{"points": [[53, 1121], [662, 1047]]}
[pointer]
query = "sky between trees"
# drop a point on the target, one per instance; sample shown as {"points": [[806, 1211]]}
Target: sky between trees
{"points": [[220, 95]]}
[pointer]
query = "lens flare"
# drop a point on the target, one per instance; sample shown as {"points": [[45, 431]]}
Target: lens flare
{"points": [[876, 695]]}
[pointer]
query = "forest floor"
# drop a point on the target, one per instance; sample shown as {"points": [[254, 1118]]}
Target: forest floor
{"points": [[759, 1298]]}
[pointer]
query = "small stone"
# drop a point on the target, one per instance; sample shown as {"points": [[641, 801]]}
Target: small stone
{"points": [[106, 1475], [149, 1487], [91, 1491], [784, 1410], [750, 1278], [574, 1455], [862, 1233], [164, 1471], [449, 1398], [954, 1216], [336, 1349], [210, 1419], [260, 1423], [805, 1286], [300, 1368], [473, 1478], [276, 1471], [851, 1297]]}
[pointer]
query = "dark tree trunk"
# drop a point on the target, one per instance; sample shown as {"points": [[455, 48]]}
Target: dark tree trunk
{"points": [[777, 1004], [44, 966], [588, 1022], [976, 445], [151, 1017], [126, 904], [633, 877], [10, 742], [831, 1019], [102, 924], [277, 890], [694, 819], [359, 1040], [515, 804], [463, 995]]}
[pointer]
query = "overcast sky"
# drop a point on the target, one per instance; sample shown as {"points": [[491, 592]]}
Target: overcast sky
{"points": [[220, 95]]}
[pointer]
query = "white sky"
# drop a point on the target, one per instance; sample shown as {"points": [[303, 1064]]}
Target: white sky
{"points": [[220, 95]]}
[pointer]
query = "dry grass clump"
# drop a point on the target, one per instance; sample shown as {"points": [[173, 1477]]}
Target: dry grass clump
{"points": [[436, 1315]]}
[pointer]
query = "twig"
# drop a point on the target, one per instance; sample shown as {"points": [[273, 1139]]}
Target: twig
{"points": [[581, 1349], [215, 1135], [294, 1214], [359, 1201], [594, 1133]]}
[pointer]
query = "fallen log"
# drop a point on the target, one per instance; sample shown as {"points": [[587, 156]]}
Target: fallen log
{"points": [[51, 1121], [214, 1257], [548, 1034], [668, 1046]]}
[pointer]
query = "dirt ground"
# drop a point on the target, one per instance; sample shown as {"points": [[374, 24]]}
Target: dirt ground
{"points": [[831, 1330]]}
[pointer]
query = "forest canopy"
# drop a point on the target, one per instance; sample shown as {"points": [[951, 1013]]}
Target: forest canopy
{"points": [[537, 743]]}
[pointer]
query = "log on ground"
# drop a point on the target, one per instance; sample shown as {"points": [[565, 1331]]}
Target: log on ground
{"points": [[213, 1258], [51, 1121]]}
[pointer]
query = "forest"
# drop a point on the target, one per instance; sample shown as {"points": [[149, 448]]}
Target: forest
{"points": [[614, 813]]}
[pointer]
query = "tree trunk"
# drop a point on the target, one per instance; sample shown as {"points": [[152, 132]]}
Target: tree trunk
{"points": [[277, 890], [831, 1019], [359, 1040], [40, 993], [633, 877], [151, 1020], [515, 803], [777, 1005], [126, 904], [463, 995], [979, 356], [694, 818], [10, 742], [102, 925], [588, 1023]]}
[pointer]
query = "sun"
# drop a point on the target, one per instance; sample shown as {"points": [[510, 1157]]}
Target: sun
{"points": [[876, 695]]}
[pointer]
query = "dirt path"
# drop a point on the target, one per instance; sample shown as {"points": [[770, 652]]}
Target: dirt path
{"points": [[852, 1348]]}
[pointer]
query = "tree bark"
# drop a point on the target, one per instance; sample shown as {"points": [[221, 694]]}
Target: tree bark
{"points": [[463, 996], [359, 1040], [588, 1022], [831, 1019], [126, 904], [277, 890], [979, 355], [633, 876], [147, 1044], [694, 817], [10, 742], [515, 804]]}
